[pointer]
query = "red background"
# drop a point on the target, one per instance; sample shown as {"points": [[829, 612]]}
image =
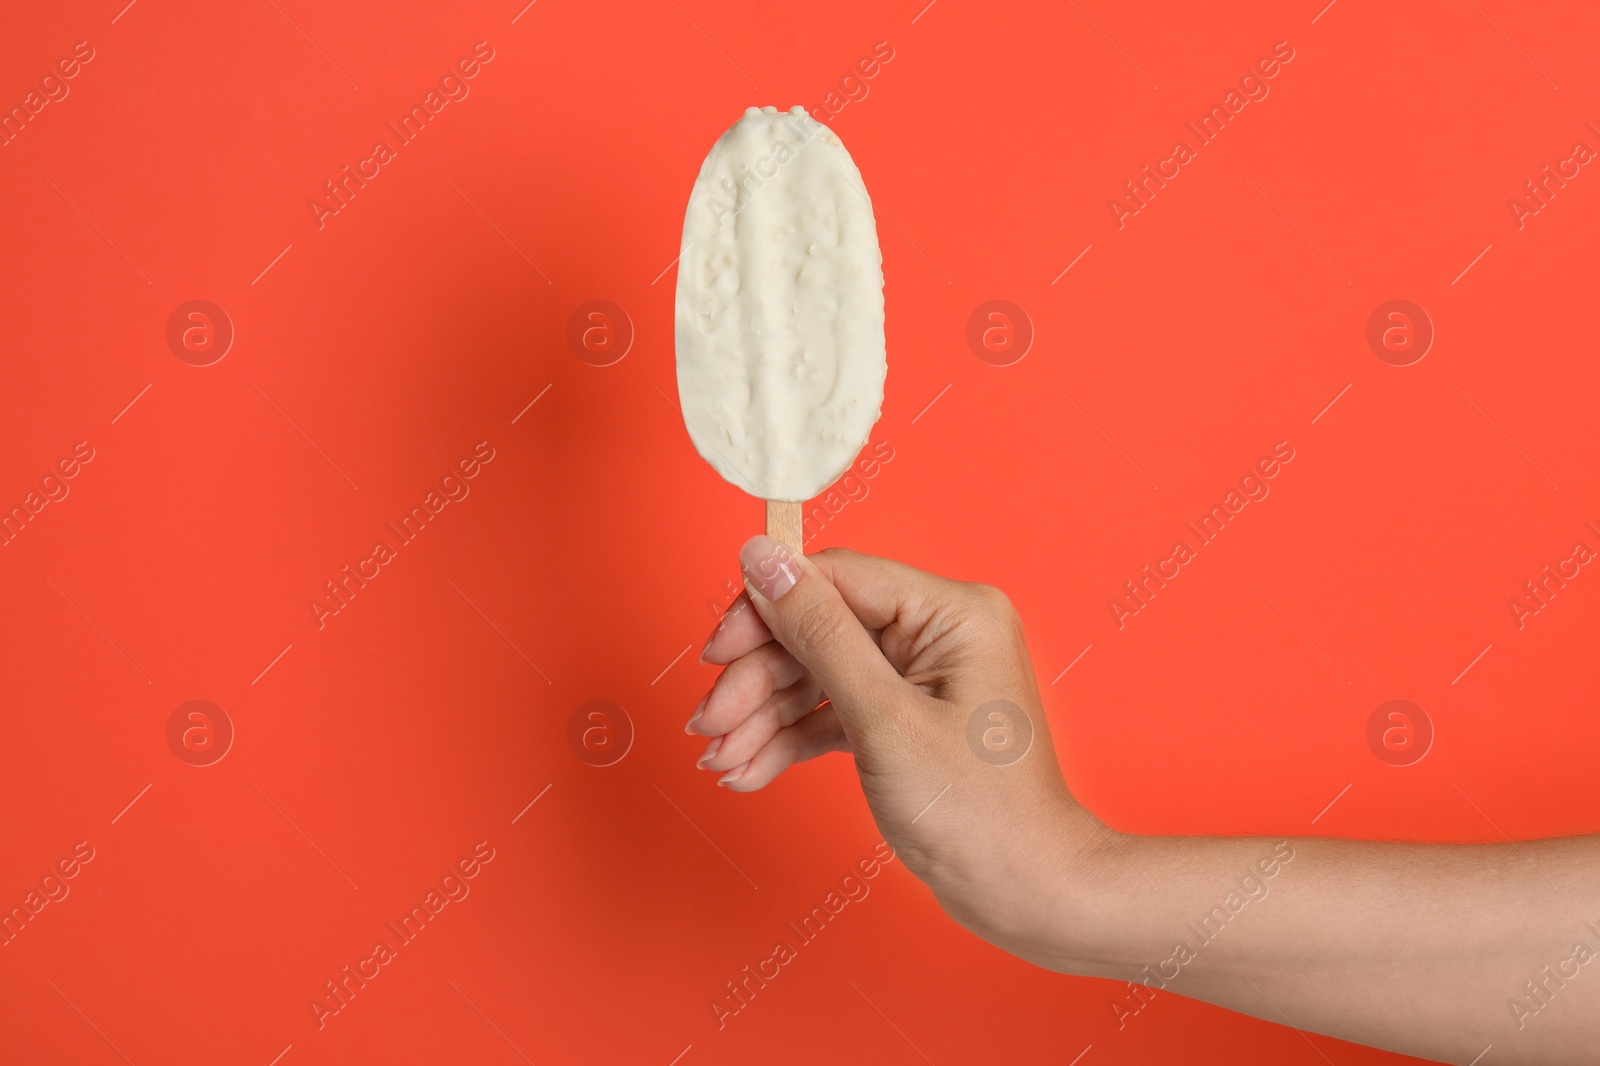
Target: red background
{"points": [[378, 349]]}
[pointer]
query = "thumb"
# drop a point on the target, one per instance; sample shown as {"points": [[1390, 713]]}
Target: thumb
{"points": [[808, 616]]}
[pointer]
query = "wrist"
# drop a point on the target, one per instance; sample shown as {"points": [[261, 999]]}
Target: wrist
{"points": [[1059, 904], [1084, 921]]}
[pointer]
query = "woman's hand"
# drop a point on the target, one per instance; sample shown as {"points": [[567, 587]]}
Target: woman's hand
{"points": [[1443, 950], [927, 682]]}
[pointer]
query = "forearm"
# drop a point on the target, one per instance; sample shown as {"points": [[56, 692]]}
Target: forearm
{"points": [[1419, 948]]}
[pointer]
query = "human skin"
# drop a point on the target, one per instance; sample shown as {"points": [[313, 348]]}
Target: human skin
{"points": [[1417, 948]]}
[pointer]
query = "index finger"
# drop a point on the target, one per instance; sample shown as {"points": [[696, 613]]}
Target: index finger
{"points": [[740, 632]]}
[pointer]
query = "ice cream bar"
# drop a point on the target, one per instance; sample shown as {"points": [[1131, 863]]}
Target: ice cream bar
{"points": [[779, 317]]}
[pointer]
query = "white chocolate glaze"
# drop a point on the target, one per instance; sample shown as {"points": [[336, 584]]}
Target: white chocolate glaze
{"points": [[779, 317]]}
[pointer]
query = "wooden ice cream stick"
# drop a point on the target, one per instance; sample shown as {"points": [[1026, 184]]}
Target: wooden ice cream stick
{"points": [[784, 524]]}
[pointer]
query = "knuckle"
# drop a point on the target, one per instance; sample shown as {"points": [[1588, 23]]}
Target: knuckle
{"points": [[994, 616], [831, 561], [818, 627], [993, 600]]}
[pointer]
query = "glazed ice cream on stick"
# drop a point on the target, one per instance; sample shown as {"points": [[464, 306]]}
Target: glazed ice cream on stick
{"points": [[779, 317]]}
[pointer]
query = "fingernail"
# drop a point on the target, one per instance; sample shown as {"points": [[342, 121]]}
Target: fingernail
{"points": [[769, 567], [699, 709], [711, 752], [733, 775]]}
